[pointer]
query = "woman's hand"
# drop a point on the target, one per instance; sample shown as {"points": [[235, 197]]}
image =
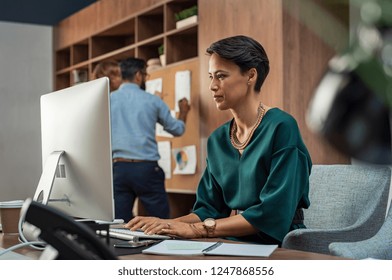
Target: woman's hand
{"points": [[147, 224], [153, 225], [182, 230]]}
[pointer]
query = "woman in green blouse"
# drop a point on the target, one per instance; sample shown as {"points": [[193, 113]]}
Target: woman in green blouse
{"points": [[256, 181]]}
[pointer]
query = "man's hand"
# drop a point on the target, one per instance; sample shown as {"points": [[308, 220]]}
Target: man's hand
{"points": [[184, 107]]}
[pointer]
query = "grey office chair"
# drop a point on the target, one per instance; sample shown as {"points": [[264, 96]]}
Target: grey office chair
{"points": [[348, 203], [378, 246]]}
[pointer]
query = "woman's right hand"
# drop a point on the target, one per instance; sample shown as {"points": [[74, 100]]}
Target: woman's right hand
{"points": [[151, 225]]}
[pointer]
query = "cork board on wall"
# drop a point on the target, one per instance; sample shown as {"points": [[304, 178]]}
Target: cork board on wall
{"points": [[180, 183]]}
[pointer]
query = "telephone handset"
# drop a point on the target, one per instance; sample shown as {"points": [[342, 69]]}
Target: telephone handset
{"points": [[70, 240]]}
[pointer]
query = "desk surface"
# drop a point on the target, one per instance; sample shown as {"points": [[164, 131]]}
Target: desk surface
{"points": [[279, 254]]}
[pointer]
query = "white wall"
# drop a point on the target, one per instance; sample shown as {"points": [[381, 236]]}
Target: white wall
{"points": [[25, 74]]}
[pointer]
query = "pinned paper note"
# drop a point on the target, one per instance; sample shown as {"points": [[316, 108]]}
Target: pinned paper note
{"points": [[154, 85], [165, 161], [185, 160], [182, 87]]}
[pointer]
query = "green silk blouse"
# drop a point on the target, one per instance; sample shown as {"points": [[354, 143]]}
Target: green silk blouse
{"points": [[268, 182]]}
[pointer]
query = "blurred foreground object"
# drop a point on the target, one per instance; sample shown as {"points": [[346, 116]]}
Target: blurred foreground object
{"points": [[352, 104]]}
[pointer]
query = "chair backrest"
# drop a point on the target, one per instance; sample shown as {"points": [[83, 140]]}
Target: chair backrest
{"points": [[341, 194]]}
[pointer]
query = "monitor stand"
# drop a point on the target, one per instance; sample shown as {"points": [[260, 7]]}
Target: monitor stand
{"points": [[45, 184], [42, 195], [27, 232]]}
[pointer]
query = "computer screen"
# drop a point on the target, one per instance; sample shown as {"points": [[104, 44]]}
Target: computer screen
{"points": [[76, 151]]}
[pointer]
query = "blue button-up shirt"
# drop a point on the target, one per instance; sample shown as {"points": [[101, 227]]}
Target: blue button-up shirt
{"points": [[134, 114]]}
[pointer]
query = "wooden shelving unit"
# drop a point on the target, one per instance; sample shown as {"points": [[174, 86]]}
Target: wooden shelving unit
{"points": [[139, 34]]}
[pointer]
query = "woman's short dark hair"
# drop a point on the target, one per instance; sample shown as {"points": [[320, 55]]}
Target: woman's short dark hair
{"points": [[130, 66], [245, 52]]}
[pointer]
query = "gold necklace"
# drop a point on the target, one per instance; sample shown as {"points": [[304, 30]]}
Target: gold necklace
{"points": [[233, 132]]}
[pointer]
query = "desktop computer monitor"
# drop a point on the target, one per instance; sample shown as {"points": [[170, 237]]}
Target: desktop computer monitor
{"points": [[76, 151]]}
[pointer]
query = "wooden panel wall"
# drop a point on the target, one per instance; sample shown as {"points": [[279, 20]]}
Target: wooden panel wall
{"points": [[306, 52]]}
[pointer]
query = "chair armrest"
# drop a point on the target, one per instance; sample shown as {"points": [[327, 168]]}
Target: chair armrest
{"points": [[378, 246], [318, 240], [369, 248]]}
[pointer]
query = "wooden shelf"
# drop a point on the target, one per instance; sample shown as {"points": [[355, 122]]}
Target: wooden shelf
{"points": [[63, 80], [63, 58], [182, 44], [79, 52], [139, 35], [149, 48], [118, 55], [150, 23], [114, 38]]}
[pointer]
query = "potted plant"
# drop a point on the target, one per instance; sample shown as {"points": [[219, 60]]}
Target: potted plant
{"points": [[186, 16], [162, 56]]}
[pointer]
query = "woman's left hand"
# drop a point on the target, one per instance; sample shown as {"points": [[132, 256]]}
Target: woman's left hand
{"points": [[180, 229]]}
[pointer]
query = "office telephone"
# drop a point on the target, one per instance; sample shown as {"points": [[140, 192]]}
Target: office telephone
{"points": [[66, 238]]}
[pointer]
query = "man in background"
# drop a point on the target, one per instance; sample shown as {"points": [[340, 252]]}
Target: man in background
{"points": [[134, 114]]}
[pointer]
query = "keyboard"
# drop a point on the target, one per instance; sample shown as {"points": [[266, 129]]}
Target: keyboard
{"points": [[127, 234]]}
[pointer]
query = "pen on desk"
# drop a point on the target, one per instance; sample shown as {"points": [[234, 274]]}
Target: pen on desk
{"points": [[212, 247]]}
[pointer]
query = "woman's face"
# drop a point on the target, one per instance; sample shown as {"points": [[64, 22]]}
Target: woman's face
{"points": [[228, 85]]}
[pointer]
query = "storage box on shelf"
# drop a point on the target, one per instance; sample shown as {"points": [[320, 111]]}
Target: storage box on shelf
{"points": [[187, 21], [175, 7]]}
